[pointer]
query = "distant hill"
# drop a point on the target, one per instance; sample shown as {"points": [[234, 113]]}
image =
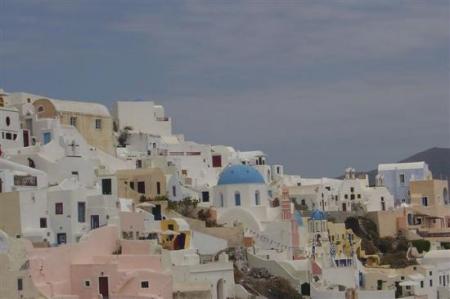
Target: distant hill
{"points": [[437, 158]]}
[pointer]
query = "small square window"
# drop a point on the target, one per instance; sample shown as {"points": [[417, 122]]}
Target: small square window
{"points": [[59, 208], [144, 284], [98, 123], [87, 283]]}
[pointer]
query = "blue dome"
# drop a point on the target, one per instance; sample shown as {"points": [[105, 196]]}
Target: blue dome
{"points": [[318, 215], [240, 174]]}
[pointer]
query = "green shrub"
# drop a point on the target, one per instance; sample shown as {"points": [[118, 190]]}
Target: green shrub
{"points": [[422, 245]]}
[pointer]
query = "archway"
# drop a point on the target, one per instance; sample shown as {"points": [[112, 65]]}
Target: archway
{"points": [[220, 294]]}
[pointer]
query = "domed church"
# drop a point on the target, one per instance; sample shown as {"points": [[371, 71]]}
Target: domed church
{"points": [[240, 186], [241, 198]]}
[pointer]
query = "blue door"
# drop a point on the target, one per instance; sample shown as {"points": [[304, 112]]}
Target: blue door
{"points": [[47, 136]]}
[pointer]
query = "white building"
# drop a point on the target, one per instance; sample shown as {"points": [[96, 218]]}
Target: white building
{"points": [[143, 117]]}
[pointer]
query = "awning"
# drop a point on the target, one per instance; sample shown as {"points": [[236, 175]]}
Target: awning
{"points": [[408, 283]]}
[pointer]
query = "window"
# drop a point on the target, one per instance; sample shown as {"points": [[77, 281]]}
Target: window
{"points": [[237, 198], [359, 196], [98, 123], [431, 282], [19, 284], [345, 196], [158, 188], [257, 199], [138, 163], [41, 109], [106, 187], [421, 284], [73, 121], [59, 208], [81, 212], [221, 200], [171, 227], [174, 191], [425, 201], [402, 178], [8, 136], [352, 189], [43, 222], [217, 161], [87, 283], [8, 121], [352, 196], [144, 284], [205, 196]]}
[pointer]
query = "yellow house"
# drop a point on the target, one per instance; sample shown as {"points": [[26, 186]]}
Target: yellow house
{"points": [[175, 234], [429, 193], [135, 183], [92, 120]]}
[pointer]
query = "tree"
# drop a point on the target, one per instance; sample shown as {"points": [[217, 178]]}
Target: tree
{"points": [[124, 135]]}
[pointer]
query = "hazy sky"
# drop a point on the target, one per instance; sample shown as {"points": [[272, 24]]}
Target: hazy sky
{"points": [[317, 85]]}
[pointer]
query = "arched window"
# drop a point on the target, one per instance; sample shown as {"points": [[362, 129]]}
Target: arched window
{"points": [[257, 198], [445, 196], [40, 108], [237, 198], [410, 219], [221, 200]]}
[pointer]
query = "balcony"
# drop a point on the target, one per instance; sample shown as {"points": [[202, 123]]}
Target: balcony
{"points": [[165, 118]]}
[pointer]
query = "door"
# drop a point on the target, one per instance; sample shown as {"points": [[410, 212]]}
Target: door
{"points": [[47, 137], [61, 238], [103, 287], [95, 221], [156, 211], [141, 187], [26, 138]]}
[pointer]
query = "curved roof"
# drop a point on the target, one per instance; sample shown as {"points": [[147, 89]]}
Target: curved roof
{"points": [[80, 107], [318, 215], [240, 174]]}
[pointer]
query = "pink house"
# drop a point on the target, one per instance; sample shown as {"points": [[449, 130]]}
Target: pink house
{"points": [[100, 266]]}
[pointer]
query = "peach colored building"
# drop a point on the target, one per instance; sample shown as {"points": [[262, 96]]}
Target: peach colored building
{"points": [[100, 265], [428, 216], [429, 193]]}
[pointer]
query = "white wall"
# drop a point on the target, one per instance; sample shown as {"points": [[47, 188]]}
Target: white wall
{"points": [[143, 116]]}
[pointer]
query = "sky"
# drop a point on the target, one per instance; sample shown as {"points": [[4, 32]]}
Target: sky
{"points": [[317, 85]]}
